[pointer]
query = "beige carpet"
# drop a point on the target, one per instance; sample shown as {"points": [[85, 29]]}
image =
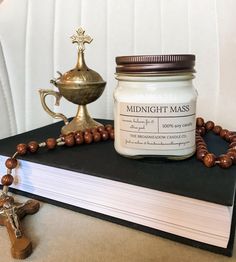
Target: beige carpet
{"points": [[62, 235]]}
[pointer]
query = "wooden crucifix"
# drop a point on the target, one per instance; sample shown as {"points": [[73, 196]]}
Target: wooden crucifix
{"points": [[11, 213]]}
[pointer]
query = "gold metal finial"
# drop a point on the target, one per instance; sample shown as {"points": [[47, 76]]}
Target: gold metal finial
{"points": [[81, 39]]}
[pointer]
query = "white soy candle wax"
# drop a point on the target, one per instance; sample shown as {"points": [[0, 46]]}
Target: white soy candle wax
{"points": [[155, 106]]}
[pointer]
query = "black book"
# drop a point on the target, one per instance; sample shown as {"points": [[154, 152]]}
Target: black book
{"points": [[179, 200]]}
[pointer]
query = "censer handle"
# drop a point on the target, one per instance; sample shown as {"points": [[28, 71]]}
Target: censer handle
{"points": [[45, 92]]}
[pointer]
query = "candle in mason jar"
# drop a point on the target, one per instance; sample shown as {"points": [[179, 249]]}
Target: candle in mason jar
{"points": [[155, 106]]}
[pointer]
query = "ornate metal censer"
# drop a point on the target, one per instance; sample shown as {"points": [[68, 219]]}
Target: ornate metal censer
{"points": [[80, 86]]}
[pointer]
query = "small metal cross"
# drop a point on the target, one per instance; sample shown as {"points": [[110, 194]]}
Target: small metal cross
{"points": [[81, 39], [10, 214]]}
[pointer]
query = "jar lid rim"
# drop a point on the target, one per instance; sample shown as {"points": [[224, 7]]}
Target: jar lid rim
{"points": [[155, 63]]}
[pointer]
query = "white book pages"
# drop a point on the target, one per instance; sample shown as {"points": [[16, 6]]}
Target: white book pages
{"points": [[187, 217]]}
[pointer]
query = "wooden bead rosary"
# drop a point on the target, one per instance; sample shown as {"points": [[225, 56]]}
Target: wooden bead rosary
{"points": [[209, 159], [104, 133], [88, 136], [11, 212]]}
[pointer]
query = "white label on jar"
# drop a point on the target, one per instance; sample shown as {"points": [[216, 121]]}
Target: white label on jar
{"points": [[157, 126]]}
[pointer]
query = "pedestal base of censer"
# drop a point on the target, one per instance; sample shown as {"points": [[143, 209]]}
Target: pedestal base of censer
{"points": [[80, 122]]}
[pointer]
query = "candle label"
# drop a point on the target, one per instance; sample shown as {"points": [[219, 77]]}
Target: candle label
{"points": [[157, 126]]}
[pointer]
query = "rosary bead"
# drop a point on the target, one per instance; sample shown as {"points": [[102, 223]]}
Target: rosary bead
{"points": [[201, 131], [232, 155], [223, 133], [79, 139], [217, 129], [79, 133], [88, 139], [101, 129], [198, 138], [51, 143], [97, 137], [209, 160], [200, 154], [33, 146], [21, 149], [225, 161], [229, 135], [87, 131], [104, 135], [69, 140], [199, 122], [93, 130], [231, 150], [233, 138], [232, 145], [209, 125], [200, 141], [201, 147], [11, 163], [112, 134], [201, 144], [7, 180], [108, 127]]}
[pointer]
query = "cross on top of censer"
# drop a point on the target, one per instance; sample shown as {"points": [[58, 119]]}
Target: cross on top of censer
{"points": [[81, 39]]}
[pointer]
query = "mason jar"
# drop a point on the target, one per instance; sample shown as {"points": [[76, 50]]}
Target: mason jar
{"points": [[155, 106]]}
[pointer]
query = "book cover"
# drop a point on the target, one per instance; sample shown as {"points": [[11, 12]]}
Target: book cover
{"points": [[187, 178]]}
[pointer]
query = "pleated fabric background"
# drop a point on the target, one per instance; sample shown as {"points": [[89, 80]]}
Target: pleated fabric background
{"points": [[35, 43]]}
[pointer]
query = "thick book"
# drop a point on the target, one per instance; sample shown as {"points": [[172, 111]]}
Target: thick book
{"points": [[179, 200]]}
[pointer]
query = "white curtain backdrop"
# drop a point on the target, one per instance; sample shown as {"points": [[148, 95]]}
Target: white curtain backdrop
{"points": [[35, 43]]}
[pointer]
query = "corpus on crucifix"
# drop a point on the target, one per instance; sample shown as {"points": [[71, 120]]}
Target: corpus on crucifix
{"points": [[10, 214]]}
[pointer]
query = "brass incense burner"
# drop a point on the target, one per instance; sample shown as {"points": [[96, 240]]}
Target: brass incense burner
{"points": [[80, 86]]}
